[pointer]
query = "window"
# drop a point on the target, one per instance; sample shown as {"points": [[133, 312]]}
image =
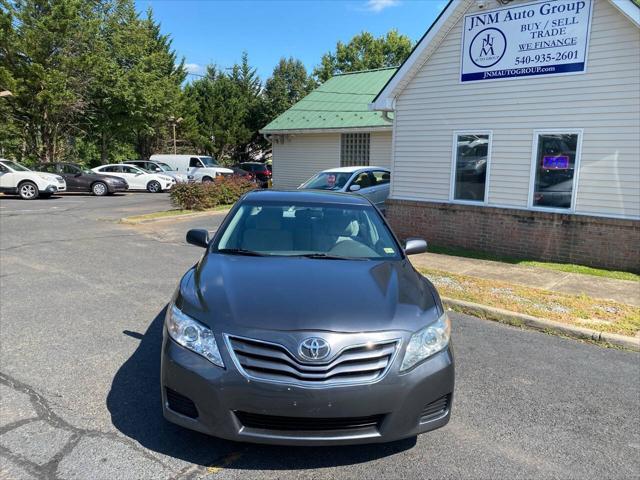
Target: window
{"points": [[382, 177], [70, 169], [363, 180], [3, 169], [472, 152], [49, 168], [195, 163], [555, 160], [354, 149], [134, 170]]}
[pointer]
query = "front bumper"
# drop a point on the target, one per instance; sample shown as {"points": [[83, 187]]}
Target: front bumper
{"points": [[222, 396], [51, 188]]}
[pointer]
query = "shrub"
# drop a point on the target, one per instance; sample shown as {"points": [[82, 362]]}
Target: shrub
{"points": [[200, 196]]}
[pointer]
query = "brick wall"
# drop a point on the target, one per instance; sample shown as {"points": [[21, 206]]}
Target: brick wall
{"points": [[595, 241]]}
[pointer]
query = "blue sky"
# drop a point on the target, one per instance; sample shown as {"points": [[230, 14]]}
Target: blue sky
{"points": [[217, 31]]}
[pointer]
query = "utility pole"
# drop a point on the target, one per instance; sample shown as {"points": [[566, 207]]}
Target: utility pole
{"points": [[174, 122]]}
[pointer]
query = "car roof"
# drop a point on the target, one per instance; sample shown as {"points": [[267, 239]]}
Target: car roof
{"points": [[306, 196], [354, 169]]}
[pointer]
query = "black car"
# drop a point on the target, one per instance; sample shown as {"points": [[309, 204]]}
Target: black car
{"points": [[82, 180], [260, 170]]}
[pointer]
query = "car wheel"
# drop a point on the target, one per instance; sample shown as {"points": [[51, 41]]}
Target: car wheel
{"points": [[154, 186], [207, 180], [99, 189], [28, 190]]}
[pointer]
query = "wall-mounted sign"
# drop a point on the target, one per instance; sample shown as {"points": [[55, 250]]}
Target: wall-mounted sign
{"points": [[555, 162], [544, 38]]}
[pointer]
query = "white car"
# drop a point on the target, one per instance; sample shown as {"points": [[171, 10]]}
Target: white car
{"points": [[371, 182], [201, 167], [16, 178], [137, 178]]}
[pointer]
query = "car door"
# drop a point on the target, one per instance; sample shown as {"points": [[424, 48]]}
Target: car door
{"points": [[135, 177], [380, 189], [194, 165], [5, 178], [73, 176]]}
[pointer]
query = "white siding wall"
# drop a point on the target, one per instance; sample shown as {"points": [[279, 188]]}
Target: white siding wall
{"points": [[380, 149], [302, 155], [605, 102]]}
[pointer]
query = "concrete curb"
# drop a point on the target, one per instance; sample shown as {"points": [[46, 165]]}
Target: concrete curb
{"points": [[128, 221], [520, 319]]}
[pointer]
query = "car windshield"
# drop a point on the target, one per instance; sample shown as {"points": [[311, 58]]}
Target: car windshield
{"points": [[209, 161], [164, 167], [15, 166], [327, 181], [310, 230]]}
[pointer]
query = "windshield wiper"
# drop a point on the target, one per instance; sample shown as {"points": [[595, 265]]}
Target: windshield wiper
{"points": [[240, 251], [326, 256]]}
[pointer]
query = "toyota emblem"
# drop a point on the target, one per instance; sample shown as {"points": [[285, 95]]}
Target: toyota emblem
{"points": [[314, 349]]}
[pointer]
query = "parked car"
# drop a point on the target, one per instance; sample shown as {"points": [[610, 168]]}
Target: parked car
{"points": [[260, 170], [161, 167], [203, 168], [239, 172], [137, 178], [371, 182], [348, 344], [80, 179], [29, 184]]}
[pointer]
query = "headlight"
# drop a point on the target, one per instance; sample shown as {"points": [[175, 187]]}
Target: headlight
{"points": [[427, 341], [193, 335]]}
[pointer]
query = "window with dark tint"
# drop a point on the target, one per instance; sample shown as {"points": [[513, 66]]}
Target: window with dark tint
{"points": [[472, 152], [354, 149], [112, 168], [195, 162], [70, 169], [127, 169], [3, 169], [555, 169], [49, 168]]}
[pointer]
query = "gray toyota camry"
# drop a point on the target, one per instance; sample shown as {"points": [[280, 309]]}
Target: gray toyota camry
{"points": [[304, 323]]}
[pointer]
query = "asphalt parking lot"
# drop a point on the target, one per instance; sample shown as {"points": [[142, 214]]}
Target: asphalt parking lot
{"points": [[82, 300]]}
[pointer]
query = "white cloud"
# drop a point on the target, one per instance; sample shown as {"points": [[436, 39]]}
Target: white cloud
{"points": [[193, 68], [379, 5]]}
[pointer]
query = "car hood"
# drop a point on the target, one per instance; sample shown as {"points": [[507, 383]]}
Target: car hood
{"points": [[236, 294]]}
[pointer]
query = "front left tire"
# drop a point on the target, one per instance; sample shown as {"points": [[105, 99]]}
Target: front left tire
{"points": [[154, 187], [28, 191]]}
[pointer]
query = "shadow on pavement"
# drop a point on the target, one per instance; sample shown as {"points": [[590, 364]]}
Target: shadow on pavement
{"points": [[136, 411]]}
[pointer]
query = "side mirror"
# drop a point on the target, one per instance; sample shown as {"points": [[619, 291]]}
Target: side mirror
{"points": [[354, 188], [414, 246], [198, 237]]}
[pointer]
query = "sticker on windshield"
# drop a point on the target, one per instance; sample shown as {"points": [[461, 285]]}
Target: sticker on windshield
{"points": [[390, 251]]}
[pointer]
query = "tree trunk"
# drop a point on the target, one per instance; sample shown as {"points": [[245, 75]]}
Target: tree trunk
{"points": [[104, 151]]}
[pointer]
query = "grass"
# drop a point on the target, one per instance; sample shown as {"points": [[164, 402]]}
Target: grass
{"points": [[580, 310], [170, 213], [562, 267]]}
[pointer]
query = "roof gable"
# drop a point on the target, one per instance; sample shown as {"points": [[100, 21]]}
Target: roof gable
{"points": [[436, 33], [341, 102]]}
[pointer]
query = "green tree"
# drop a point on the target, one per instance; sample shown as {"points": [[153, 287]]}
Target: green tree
{"points": [[364, 52], [288, 84]]}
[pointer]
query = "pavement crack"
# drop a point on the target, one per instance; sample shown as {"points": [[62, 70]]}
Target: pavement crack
{"points": [[63, 240]]}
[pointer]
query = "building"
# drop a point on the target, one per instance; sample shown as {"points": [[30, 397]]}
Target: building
{"points": [[517, 131], [331, 127]]}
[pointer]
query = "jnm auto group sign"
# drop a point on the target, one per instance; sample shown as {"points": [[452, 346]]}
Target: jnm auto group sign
{"points": [[543, 38]]}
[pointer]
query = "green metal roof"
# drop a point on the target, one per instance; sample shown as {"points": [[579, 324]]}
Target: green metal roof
{"points": [[340, 102]]}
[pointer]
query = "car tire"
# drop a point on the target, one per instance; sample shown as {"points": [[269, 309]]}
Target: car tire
{"points": [[207, 180], [99, 189], [154, 187], [28, 191]]}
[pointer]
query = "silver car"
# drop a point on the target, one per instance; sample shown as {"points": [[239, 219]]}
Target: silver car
{"points": [[370, 182]]}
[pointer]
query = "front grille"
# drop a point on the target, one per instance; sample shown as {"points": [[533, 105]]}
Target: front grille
{"points": [[435, 409], [274, 363], [181, 404], [269, 422]]}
